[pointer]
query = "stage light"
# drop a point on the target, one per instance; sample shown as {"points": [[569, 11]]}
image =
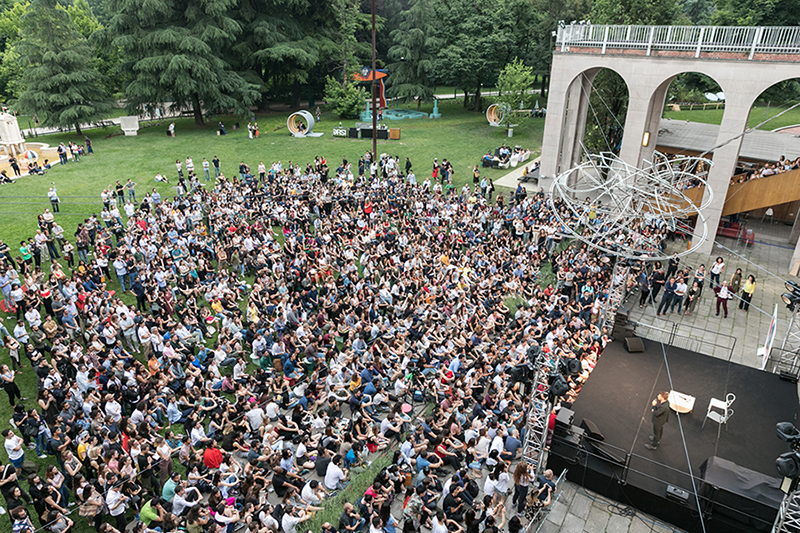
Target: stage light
{"points": [[792, 286], [788, 464], [790, 299], [646, 138], [558, 386], [787, 432]]}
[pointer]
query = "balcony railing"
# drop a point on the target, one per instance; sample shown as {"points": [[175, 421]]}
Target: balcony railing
{"points": [[697, 39]]}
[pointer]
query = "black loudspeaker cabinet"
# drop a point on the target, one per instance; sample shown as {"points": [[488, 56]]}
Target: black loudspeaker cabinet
{"points": [[592, 431], [352, 133], [568, 445], [366, 134], [634, 344], [383, 134], [564, 419]]}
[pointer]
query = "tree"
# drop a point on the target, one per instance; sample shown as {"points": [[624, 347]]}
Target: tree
{"points": [[60, 83], [173, 52], [345, 100], [515, 81], [756, 13], [10, 35], [609, 96], [413, 53], [481, 38]]}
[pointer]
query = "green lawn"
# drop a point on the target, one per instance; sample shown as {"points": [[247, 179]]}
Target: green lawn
{"points": [[459, 136], [757, 115]]}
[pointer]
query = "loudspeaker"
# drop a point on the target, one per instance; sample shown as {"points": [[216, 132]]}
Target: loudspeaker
{"points": [[634, 344], [366, 134], [383, 134], [352, 133], [592, 431], [604, 451], [677, 494], [621, 316], [567, 446], [564, 419]]}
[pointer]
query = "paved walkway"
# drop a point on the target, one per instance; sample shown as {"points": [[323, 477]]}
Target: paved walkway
{"points": [[742, 333], [582, 511], [511, 179]]}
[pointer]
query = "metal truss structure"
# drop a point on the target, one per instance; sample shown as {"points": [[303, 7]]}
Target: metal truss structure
{"points": [[788, 519], [617, 292], [790, 348], [538, 420]]}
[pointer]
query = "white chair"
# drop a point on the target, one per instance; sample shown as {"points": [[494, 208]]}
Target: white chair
{"points": [[723, 412], [769, 213]]}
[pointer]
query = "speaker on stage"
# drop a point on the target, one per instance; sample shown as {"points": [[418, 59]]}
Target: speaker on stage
{"points": [[564, 419], [634, 344], [352, 133], [568, 445], [592, 431]]}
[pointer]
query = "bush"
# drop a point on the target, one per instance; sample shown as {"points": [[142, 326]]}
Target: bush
{"points": [[344, 101]]}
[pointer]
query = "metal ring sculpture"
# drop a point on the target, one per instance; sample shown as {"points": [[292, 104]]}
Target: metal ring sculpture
{"points": [[628, 199], [495, 113], [292, 123]]}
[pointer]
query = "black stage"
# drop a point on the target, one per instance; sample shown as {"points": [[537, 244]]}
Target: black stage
{"points": [[617, 398]]}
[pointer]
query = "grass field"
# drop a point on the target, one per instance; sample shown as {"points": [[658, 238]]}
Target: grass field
{"points": [[757, 115], [460, 136]]}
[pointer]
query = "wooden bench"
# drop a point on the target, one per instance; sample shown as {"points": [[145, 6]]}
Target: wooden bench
{"points": [[732, 230]]}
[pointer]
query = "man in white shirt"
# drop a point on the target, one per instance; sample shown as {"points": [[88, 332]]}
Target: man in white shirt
{"points": [[334, 475], [14, 448], [115, 501], [180, 502], [113, 408], [255, 416], [312, 492], [291, 519]]}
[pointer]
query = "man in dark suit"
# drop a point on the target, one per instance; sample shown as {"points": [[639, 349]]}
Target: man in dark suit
{"points": [[660, 416]]}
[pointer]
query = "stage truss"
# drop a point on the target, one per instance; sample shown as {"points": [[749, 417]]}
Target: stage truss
{"points": [[788, 520], [790, 348], [538, 420]]}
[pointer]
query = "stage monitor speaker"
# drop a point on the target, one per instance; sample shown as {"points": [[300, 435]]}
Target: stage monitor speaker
{"points": [[622, 330], [592, 431], [677, 494], [352, 133], [606, 452], [564, 419], [634, 344], [568, 445], [621, 315]]}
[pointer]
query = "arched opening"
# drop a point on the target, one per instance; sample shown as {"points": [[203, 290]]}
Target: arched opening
{"points": [[607, 109]]}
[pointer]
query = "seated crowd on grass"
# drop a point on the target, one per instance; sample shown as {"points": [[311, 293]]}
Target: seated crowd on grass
{"points": [[269, 332]]}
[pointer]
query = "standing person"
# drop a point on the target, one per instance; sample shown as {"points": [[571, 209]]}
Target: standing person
{"points": [[645, 285], [215, 162], [736, 281], [255, 129], [7, 382], [692, 295], [673, 265], [206, 169], [15, 448], [318, 114], [659, 279], [115, 502], [130, 186], [490, 190], [250, 130], [14, 165], [700, 278], [179, 166], [88, 143], [716, 269], [669, 294], [171, 129], [723, 295], [660, 410], [747, 293], [522, 479], [52, 194]]}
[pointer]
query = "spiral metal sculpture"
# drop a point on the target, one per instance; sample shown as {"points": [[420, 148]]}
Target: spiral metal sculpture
{"points": [[630, 201]]}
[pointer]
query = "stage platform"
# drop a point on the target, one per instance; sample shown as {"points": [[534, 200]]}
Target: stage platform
{"points": [[617, 398]]}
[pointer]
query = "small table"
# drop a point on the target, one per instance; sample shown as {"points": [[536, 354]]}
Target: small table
{"points": [[680, 402]]}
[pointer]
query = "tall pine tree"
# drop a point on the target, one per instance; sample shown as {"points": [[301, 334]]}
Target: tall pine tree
{"points": [[174, 51], [61, 84], [413, 53]]}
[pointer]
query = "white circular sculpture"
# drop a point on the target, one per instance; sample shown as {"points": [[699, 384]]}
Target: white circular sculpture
{"points": [[306, 119], [11, 140], [495, 113], [631, 201]]}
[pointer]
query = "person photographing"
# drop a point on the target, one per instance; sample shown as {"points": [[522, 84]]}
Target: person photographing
{"points": [[660, 410]]}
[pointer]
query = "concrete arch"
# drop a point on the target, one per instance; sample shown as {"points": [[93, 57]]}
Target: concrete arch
{"points": [[572, 111]]}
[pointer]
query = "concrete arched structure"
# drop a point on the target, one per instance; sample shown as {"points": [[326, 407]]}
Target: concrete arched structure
{"points": [[648, 76]]}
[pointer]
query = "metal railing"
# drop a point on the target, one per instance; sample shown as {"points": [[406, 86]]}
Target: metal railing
{"points": [[681, 336], [698, 39]]}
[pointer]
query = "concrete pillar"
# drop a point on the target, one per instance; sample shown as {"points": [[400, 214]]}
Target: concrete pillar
{"points": [[645, 108], [734, 122], [577, 110], [561, 78]]}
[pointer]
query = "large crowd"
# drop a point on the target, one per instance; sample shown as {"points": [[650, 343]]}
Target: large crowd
{"points": [[272, 331]]}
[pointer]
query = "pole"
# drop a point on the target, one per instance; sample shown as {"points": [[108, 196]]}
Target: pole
{"points": [[374, 96]]}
